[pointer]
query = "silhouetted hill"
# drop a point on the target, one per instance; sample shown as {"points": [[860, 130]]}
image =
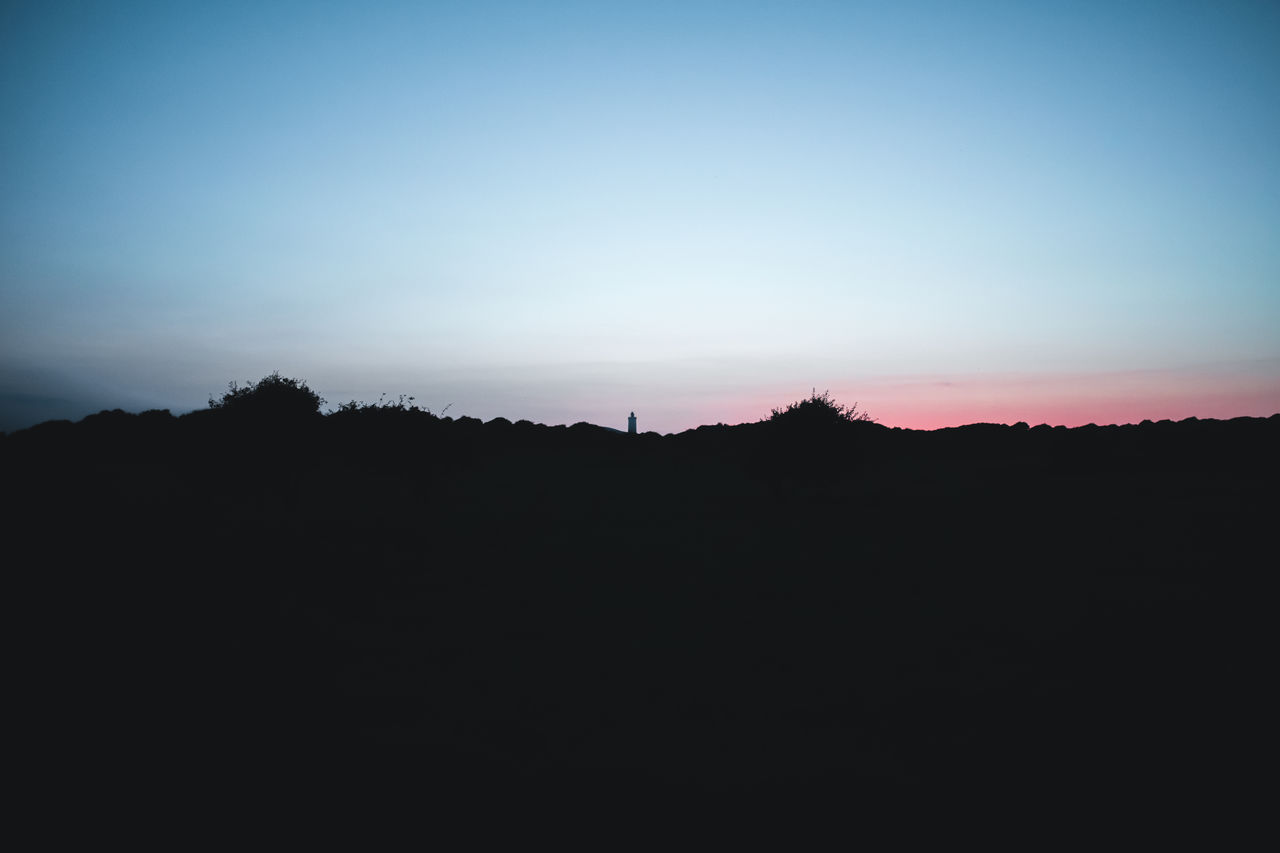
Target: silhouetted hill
{"points": [[752, 610]]}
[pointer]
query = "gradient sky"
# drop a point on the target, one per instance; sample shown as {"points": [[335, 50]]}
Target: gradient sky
{"points": [[948, 212]]}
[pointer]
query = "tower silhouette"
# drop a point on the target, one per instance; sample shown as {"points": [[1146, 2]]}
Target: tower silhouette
{"points": [[631, 424]]}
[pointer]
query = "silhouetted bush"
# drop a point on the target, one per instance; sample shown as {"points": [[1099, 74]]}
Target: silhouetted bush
{"points": [[809, 448], [818, 410], [271, 397], [402, 404]]}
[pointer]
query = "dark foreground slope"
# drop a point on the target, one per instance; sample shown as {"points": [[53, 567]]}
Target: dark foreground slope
{"points": [[733, 612]]}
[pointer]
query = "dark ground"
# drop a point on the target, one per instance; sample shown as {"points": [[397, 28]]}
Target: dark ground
{"points": [[741, 612]]}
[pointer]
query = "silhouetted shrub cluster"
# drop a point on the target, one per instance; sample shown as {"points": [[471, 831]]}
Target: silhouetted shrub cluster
{"points": [[817, 410], [401, 405], [271, 397]]}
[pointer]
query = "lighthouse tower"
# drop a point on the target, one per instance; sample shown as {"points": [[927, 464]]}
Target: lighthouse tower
{"points": [[631, 424]]}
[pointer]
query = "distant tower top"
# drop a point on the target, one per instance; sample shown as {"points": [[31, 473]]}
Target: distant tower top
{"points": [[631, 424]]}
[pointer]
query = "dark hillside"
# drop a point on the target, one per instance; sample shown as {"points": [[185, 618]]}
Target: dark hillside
{"points": [[731, 611]]}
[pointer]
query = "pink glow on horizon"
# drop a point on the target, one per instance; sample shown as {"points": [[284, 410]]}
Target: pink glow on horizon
{"points": [[1075, 399]]}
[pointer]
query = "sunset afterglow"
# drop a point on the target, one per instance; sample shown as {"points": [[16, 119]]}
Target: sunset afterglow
{"points": [[697, 210]]}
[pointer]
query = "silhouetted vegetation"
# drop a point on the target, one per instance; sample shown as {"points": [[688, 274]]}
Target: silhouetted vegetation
{"points": [[401, 404], [812, 447], [818, 409], [812, 606], [273, 396]]}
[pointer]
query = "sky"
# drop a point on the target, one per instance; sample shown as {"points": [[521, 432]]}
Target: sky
{"points": [[1051, 212]]}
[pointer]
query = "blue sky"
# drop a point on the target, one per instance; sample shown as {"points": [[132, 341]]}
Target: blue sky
{"points": [[1061, 212]]}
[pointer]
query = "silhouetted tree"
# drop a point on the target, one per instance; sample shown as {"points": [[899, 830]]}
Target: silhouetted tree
{"points": [[271, 397]]}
